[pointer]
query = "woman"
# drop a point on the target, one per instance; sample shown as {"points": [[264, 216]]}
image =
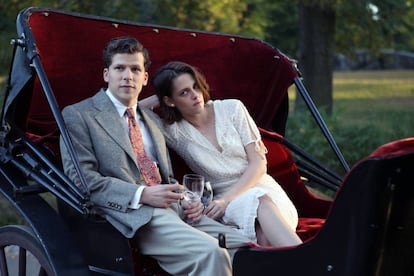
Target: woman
{"points": [[219, 139]]}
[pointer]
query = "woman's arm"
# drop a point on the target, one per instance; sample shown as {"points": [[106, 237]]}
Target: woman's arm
{"points": [[255, 170], [150, 102]]}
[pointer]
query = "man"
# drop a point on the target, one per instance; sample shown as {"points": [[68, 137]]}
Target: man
{"points": [[138, 205]]}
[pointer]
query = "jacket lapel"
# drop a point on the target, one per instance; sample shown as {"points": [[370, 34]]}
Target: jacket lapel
{"points": [[108, 118]]}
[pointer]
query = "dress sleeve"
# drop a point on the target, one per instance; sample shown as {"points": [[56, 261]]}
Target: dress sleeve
{"points": [[246, 127], [170, 134]]}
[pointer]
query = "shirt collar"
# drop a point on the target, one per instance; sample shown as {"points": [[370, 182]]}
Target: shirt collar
{"points": [[120, 107]]}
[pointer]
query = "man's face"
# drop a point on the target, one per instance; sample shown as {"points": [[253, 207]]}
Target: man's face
{"points": [[126, 76]]}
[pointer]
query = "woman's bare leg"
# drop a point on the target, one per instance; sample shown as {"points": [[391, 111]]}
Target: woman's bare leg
{"points": [[273, 224], [261, 238]]}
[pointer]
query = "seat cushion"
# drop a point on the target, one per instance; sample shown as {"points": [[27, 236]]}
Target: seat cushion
{"points": [[309, 227]]}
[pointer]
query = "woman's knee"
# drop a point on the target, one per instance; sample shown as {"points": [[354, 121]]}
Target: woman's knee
{"points": [[268, 206], [265, 200]]}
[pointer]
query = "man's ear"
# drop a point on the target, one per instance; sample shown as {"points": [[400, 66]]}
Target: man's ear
{"points": [[146, 78], [105, 74]]}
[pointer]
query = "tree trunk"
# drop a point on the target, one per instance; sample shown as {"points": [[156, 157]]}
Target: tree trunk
{"points": [[316, 53]]}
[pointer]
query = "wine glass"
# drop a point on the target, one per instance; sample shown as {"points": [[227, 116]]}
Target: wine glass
{"points": [[194, 183], [207, 195], [188, 198]]}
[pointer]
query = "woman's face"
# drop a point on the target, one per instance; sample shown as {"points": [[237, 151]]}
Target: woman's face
{"points": [[186, 96]]}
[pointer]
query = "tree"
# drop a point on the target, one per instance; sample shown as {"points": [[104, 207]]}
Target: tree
{"points": [[329, 26], [233, 16], [281, 28], [316, 49], [356, 25], [375, 24]]}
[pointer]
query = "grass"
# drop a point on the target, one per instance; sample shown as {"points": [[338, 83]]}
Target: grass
{"points": [[378, 99], [371, 108], [382, 99]]}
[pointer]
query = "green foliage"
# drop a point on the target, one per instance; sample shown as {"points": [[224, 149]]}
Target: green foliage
{"points": [[7, 214], [356, 132], [371, 108], [231, 16], [281, 27], [357, 25], [213, 15], [374, 25], [326, 4], [303, 131]]}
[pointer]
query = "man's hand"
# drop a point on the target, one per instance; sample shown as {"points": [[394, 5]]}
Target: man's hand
{"points": [[161, 196], [193, 211]]}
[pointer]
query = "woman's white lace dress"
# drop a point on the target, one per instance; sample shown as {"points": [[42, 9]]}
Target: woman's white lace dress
{"points": [[234, 129]]}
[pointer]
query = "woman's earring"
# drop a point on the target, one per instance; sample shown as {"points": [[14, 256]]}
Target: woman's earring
{"points": [[172, 105]]}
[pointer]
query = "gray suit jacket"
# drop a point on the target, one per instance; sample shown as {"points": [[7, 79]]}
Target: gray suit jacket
{"points": [[101, 141]]}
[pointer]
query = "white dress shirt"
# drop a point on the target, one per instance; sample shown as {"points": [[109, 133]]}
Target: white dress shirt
{"points": [[146, 137]]}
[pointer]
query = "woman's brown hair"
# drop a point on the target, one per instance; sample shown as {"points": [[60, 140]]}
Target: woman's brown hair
{"points": [[162, 83]]}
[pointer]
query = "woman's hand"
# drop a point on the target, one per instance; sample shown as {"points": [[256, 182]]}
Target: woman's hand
{"points": [[216, 209]]}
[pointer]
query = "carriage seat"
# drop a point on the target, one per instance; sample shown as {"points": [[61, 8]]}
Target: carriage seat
{"points": [[281, 165]]}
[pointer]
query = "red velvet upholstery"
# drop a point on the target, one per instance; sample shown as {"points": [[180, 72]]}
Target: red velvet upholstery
{"points": [[308, 228], [70, 48], [394, 148]]}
